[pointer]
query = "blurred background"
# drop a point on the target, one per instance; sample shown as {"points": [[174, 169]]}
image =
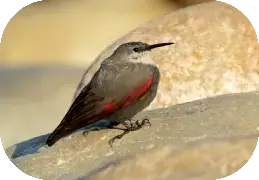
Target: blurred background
{"points": [[46, 47]]}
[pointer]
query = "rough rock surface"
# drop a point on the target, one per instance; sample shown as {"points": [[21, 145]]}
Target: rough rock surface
{"points": [[195, 161], [223, 123], [216, 52]]}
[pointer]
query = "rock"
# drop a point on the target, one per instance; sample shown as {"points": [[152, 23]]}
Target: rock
{"points": [[211, 128], [72, 33], [216, 52], [195, 161]]}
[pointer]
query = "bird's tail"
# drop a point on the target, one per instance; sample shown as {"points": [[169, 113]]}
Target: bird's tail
{"points": [[55, 136]]}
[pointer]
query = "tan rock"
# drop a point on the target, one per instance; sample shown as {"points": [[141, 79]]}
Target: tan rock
{"points": [[196, 161], [216, 52], [72, 33], [212, 137]]}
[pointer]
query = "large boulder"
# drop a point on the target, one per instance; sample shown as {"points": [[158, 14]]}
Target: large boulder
{"points": [[216, 52], [195, 161], [212, 137]]}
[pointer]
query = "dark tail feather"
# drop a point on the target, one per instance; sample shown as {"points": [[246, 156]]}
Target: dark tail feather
{"points": [[78, 116], [55, 136]]}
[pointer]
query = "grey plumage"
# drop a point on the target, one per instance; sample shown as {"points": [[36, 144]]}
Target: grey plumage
{"points": [[124, 85]]}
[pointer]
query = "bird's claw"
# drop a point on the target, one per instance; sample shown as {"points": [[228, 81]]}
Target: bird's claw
{"points": [[143, 122], [111, 141], [132, 127], [138, 124]]}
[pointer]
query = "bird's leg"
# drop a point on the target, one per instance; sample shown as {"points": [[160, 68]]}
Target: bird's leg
{"points": [[143, 122], [130, 122], [111, 141], [129, 127], [137, 125]]}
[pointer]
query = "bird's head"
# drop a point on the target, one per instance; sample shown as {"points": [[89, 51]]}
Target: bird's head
{"points": [[136, 52]]}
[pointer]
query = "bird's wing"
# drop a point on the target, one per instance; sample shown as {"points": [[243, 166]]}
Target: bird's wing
{"points": [[107, 92], [88, 107]]}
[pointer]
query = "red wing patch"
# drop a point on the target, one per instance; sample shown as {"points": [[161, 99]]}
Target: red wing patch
{"points": [[109, 108], [138, 92]]}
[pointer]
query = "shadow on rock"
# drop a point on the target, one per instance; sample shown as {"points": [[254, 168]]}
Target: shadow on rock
{"points": [[30, 146], [114, 162], [34, 145]]}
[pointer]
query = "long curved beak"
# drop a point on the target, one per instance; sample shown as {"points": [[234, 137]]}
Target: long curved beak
{"points": [[153, 46]]}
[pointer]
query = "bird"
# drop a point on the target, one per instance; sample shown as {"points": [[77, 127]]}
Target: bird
{"points": [[125, 84]]}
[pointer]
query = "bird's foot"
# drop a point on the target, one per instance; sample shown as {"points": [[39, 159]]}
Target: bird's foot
{"points": [[138, 125], [130, 120], [111, 141], [143, 122], [130, 124], [131, 127]]}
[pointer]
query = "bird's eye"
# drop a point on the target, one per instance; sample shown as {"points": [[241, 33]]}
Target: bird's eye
{"points": [[136, 49]]}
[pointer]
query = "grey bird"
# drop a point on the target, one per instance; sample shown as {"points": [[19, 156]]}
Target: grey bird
{"points": [[124, 85]]}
